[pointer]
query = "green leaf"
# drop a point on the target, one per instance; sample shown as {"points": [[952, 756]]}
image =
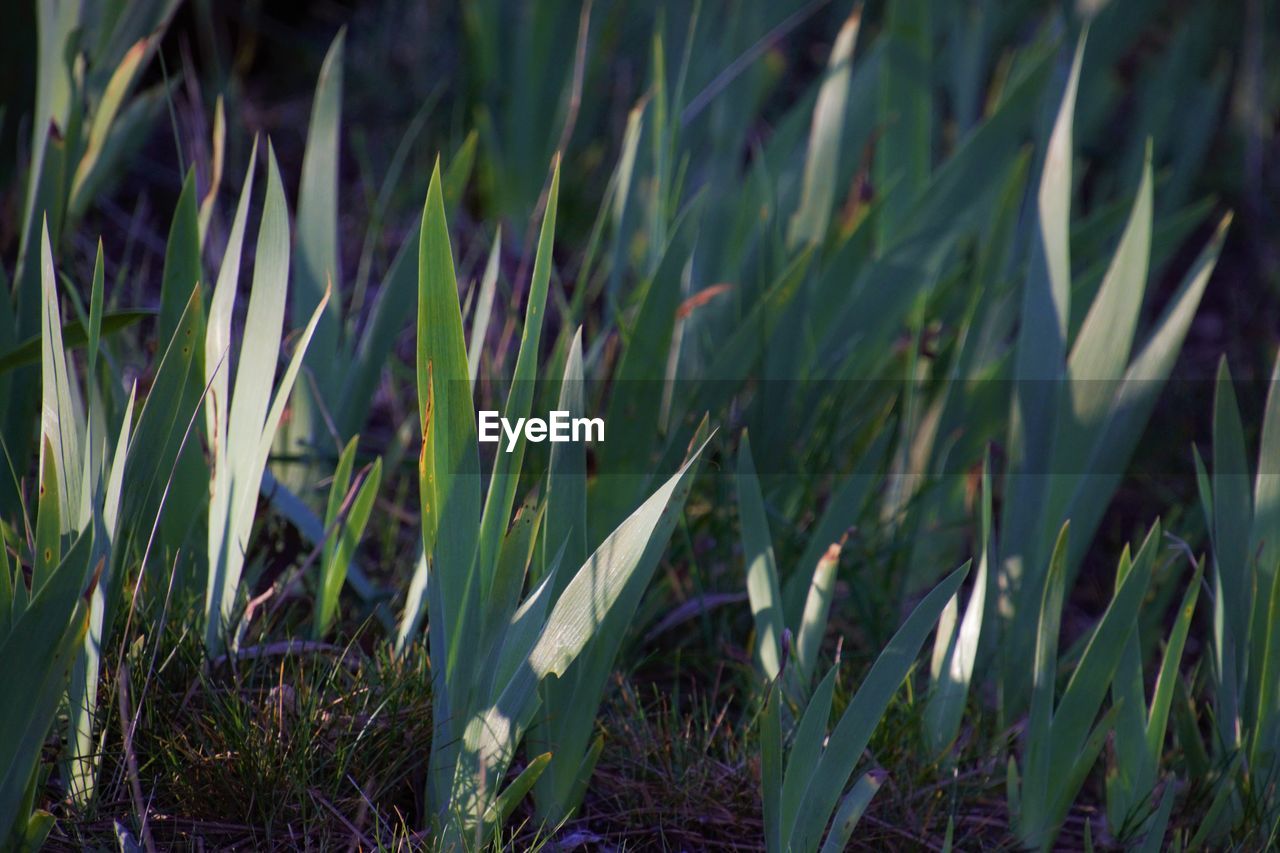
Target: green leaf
{"points": [[61, 427], [956, 650], [761, 567], [843, 509], [507, 464], [850, 812], [1154, 840], [218, 143], [1265, 549], [1162, 698], [1040, 360], [1041, 352], [904, 154], [522, 633], [167, 410], [48, 541], [567, 472], [1232, 519], [634, 418], [1266, 496], [1054, 206], [339, 487], [513, 568], [82, 692], [217, 341], [35, 657], [74, 336], [394, 304], [1092, 676], [126, 840], [451, 468], [742, 351], [118, 88], [94, 335], [585, 769], [1062, 750], [8, 599], [483, 309], [1222, 796], [810, 220], [181, 260], [345, 531], [1038, 740], [459, 171], [771, 768], [806, 749], [511, 796], [449, 489], [817, 608], [982, 157], [318, 239], [1100, 353], [1013, 788], [1135, 766], [1266, 719]]}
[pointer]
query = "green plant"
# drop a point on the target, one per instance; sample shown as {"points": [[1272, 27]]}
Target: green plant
{"points": [[243, 426], [801, 790], [53, 629], [1061, 740], [1140, 729], [1245, 639], [85, 120], [1078, 411], [490, 651]]}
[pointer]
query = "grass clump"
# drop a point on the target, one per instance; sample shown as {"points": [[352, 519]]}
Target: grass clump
{"points": [[280, 744]]}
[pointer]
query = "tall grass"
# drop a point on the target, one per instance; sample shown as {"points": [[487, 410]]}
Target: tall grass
{"points": [[878, 292]]}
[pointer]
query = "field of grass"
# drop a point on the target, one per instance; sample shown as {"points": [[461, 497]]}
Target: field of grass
{"points": [[934, 345]]}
